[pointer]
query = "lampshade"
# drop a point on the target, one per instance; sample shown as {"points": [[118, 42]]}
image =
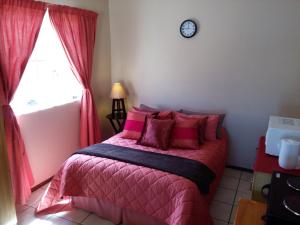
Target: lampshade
{"points": [[117, 91]]}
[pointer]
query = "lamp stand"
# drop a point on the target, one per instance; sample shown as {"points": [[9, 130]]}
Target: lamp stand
{"points": [[118, 107]]}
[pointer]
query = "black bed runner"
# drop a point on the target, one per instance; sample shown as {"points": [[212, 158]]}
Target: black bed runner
{"points": [[188, 168]]}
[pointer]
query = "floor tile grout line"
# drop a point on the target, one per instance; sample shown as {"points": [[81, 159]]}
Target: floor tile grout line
{"points": [[223, 202], [221, 220], [89, 213], [234, 199]]}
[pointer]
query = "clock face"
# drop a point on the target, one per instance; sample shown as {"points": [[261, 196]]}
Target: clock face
{"points": [[188, 28]]}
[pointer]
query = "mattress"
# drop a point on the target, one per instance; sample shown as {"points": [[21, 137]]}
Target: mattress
{"points": [[165, 197]]}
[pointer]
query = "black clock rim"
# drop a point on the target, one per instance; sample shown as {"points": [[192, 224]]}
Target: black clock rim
{"points": [[189, 20]]}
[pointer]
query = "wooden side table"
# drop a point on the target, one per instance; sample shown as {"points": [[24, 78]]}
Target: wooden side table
{"points": [[117, 121], [250, 212]]}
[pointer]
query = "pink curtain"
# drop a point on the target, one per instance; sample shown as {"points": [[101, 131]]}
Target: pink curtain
{"points": [[20, 22], [76, 29]]}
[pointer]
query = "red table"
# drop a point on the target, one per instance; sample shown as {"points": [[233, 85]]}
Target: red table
{"points": [[263, 167], [266, 163]]}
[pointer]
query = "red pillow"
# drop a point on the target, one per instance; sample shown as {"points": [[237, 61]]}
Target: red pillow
{"points": [[165, 115], [185, 133], [162, 115], [134, 124], [211, 127], [145, 110], [202, 124], [212, 122], [156, 133]]}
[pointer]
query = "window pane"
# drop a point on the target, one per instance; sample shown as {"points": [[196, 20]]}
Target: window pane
{"points": [[48, 79]]}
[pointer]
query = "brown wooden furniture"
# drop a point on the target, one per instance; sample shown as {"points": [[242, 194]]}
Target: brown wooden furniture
{"points": [[250, 212], [117, 121]]}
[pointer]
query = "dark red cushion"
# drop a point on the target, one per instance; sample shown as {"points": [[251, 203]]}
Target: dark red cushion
{"points": [[185, 134], [156, 133], [201, 127], [134, 124]]}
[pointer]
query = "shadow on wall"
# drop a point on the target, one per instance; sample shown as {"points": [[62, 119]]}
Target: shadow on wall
{"points": [[131, 99]]}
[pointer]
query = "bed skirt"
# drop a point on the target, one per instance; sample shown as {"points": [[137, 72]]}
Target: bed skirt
{"points": [[115, 214]]}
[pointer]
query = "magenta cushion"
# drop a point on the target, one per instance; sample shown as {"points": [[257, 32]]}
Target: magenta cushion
{"points": [[134, 124], [201, 127], [185, 134], [156, 133]]}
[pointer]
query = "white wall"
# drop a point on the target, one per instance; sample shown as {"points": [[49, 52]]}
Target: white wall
{"points": [[50, 137], [244, 60]]}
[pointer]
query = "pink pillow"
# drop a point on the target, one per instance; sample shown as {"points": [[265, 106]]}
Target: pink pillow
{"points": [[202, 124], [145, 110], [134, 124], [211, 127], [162, 115], [220, 121], [165, 115], [185, 133], [156, 133]]}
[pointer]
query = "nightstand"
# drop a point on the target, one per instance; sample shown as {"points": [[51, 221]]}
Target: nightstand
{"points": [[117, 121], [250, 212]]}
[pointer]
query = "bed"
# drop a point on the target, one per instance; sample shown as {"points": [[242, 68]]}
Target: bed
{"points": [[136, 195]]}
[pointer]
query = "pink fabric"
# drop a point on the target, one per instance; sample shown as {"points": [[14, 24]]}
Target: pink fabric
{"points": [[165, 115], [185, 133], [76, 29], [166, 197], [134, 124], [114, 213], [156, 133], [211, 127], [20, 22], [202, 124]]}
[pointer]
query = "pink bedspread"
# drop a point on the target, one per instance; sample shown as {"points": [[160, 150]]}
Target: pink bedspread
{"points": [[164, 196]]}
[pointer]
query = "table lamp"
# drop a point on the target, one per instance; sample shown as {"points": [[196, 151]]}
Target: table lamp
{"points": [[118, 94]]}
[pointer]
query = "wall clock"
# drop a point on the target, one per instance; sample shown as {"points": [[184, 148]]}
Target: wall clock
{"points": [[188, 28]]}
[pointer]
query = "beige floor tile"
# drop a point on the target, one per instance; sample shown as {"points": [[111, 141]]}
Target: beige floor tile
{"points": [[27, 217], [244, 186], [229, 182], [76, 215], [59, 221], [232, 173], [220, 211], [21, 208], [247, 176], [233, 213], [95, 220], [239, 195], [225, 195], [219, 222], [35, 198]]}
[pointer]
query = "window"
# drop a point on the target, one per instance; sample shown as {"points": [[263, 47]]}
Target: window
{"points": [[48, 79]]}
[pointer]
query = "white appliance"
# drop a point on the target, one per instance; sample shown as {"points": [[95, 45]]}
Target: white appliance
{"points": [[280, 128], [289, 156]]}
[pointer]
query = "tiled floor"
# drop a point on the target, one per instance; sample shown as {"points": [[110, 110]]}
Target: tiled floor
{"points": [[234, 185]]}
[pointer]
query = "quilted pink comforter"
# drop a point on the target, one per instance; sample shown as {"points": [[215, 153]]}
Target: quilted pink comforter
{"points": [[164, 196]]}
